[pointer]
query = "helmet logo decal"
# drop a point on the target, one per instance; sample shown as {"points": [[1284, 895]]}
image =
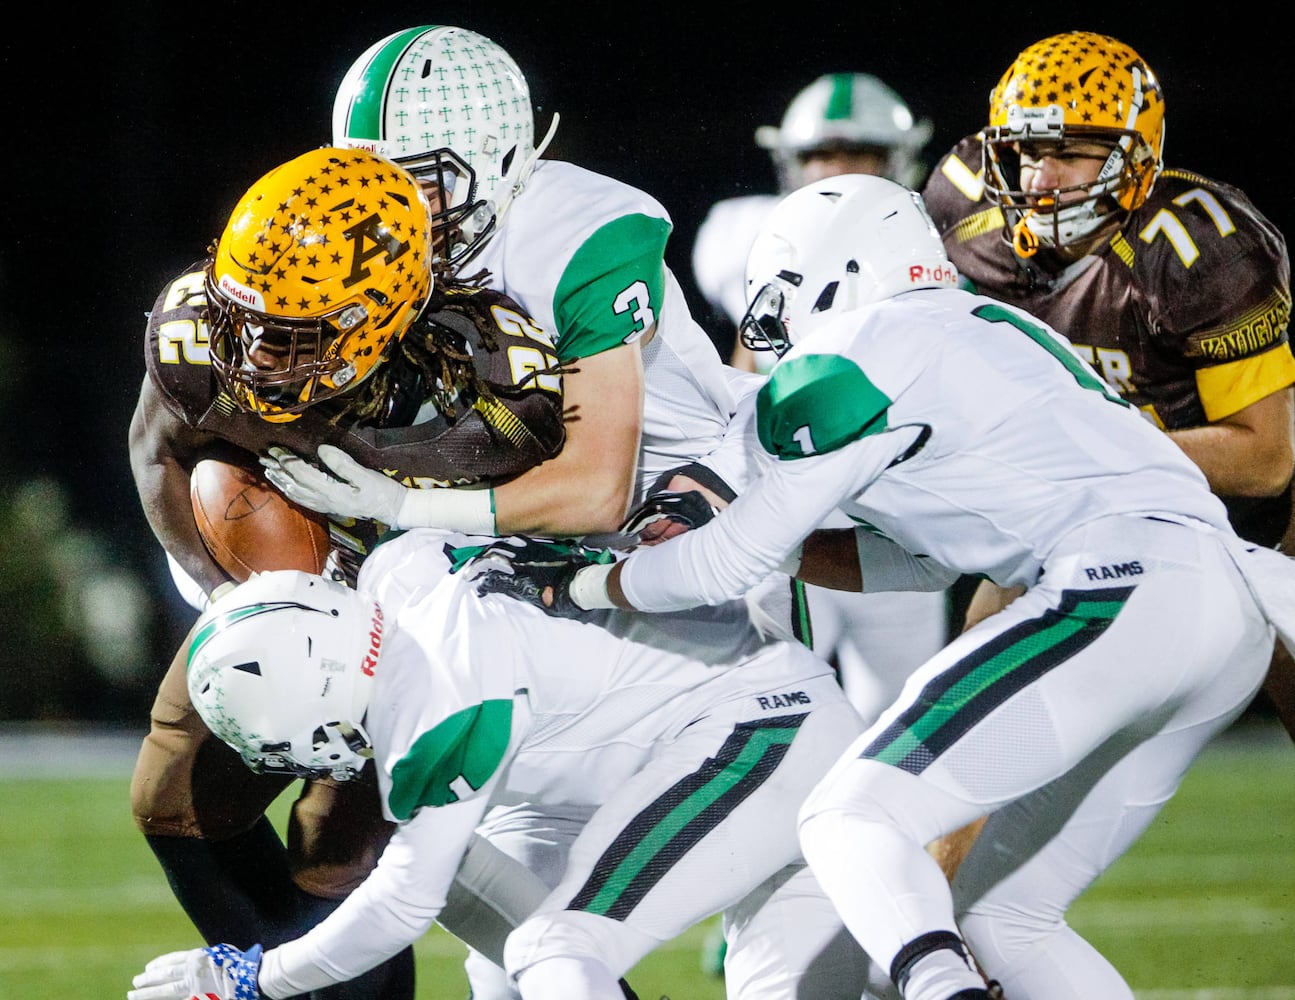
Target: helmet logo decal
{"points": [[371, 231], [370, 660], [241, 293]]}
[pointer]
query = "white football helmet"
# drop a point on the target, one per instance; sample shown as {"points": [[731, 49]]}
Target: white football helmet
{"points": [[847, 111], [281, 668], [451, 107], [835, 246]]}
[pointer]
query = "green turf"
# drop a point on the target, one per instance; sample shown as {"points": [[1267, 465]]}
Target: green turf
{"points": [[1203, 907]]}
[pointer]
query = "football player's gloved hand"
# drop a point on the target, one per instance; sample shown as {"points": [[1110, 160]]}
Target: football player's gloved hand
{"points": [[689, 509], [221, 972], [530, 569], [343, 487]]}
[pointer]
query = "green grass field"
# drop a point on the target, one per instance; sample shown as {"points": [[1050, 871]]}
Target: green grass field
{"points": [[1203, 907]]}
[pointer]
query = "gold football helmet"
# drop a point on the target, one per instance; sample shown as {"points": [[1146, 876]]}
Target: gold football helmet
{"points": [[1087, 88], [322, 267]]}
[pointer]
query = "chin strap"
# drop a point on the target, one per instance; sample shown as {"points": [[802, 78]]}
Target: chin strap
{"points": [[1025, 241]]}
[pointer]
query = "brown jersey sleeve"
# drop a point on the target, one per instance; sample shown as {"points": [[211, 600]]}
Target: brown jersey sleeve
{"points": [[1215, 278]]}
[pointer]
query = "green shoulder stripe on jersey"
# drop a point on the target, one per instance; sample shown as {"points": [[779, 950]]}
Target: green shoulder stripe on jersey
{"points": [[961, 696], [655, 840], [817, 403], [1086, 377], [611, 290], [453, 760], [364, 117]]}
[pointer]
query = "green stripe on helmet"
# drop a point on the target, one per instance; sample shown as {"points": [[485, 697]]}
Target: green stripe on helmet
{"points": [[364, 117], [840, 104]]}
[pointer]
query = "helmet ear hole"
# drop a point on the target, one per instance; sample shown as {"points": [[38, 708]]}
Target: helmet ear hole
{"points": [[826, 297]]}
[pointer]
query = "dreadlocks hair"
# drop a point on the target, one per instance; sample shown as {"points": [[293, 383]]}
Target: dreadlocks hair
{"points": [[437, 346]]}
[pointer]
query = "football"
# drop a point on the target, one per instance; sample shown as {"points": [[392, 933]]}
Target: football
{"points": [[250, 527]]}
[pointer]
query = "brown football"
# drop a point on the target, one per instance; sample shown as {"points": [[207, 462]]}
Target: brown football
{"points": [[249, 526]]}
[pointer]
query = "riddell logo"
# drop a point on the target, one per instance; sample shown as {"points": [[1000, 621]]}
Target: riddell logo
{"points": [[371, 146], [922, 274], [370, 660], [241, 293]]}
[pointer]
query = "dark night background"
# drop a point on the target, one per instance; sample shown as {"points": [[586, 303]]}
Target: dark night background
{"points": [[132, 134]]}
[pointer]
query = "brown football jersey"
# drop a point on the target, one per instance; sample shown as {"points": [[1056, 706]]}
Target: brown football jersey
{"points": [[1184, 311], [412, 440], [486, 440]]}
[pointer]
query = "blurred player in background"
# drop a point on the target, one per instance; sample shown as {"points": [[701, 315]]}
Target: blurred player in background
{"points": [[842, 123], [1174, 286]]}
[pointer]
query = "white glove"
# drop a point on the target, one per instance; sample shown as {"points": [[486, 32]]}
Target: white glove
{"points": [[352, 491], [218, 973]]}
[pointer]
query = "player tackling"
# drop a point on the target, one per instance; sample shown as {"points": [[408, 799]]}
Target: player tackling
{"points": [[962, 435], [692, 737]]}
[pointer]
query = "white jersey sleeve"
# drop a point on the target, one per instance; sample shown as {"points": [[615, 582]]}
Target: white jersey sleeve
{"points": [[585, 255], [751, 538], [394, 906]]}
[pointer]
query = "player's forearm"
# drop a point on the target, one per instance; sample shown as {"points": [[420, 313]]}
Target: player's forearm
{"points": [[571, 494], [588, 487], [395, 905], [830, 558], [159, 445], [1249, 454]]}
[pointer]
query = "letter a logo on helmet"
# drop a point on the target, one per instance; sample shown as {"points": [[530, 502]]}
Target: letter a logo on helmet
{"points": [[325, 262]]}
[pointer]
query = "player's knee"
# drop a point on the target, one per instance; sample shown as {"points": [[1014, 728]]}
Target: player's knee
{"points": [[868, 791], [161, 800], [575, 936]]}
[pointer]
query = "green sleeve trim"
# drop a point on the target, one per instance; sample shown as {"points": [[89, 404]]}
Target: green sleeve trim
{"points": [[817, 403], [611, 291], [453, 760]]}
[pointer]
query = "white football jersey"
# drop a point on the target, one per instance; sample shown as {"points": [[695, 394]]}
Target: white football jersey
{"points": [[720, 249], [582, 253], [963, 433], [479, 701]]}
